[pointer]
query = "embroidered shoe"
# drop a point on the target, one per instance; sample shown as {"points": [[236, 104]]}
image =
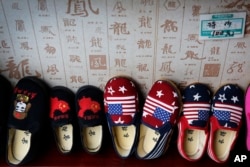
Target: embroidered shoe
{"points": [[225, 122], [62, 110], [27, 121], [194, 121], [5, 96], [91, 117], [247, 112], [160, 113], [122, 111]]}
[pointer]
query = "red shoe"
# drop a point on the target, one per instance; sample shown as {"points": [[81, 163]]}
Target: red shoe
{"points": [[225, 122], [193, 124], [122, 111], [160, 113]]}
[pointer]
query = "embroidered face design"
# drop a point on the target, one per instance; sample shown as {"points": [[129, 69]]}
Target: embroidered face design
{"points": [[21, 106]]}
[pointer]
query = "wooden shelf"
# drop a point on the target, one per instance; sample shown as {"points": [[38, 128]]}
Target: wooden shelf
{"points": [[108, 157]]}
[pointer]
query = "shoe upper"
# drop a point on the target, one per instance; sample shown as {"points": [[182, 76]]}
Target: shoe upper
{"points": [[121, 103], [225, 122], [160, 113], [193, 124]]}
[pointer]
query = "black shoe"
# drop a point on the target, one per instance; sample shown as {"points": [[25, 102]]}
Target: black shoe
{"points": [[62, 111], [5, 95], [91, 117], [27, 121]]}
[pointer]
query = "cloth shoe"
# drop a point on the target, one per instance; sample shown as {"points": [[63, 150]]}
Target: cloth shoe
{"points": [[91, 117], [62, 111], [225, 121], [193, 125], [5, 96], [160, 113], [27, 121], [247, 112], [122, 112]]}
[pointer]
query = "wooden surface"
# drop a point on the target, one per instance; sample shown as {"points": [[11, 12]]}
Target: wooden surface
{"points": [[108, 157]]}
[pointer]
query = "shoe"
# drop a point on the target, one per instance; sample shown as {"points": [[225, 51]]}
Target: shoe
{"points": [[225, 121], [122, 112], [27, 121], [247, 110], [91, 117], [62, 110], [193, 124], [5, 96], [160, 113]]}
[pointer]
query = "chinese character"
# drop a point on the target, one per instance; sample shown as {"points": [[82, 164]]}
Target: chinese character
{"points": [[169, 25], [96, 42], [19, 70], [196, 10], [52, 69], [235, 65], [215, 51], [42, 5], [119, 28], [167, 49], [147, 2], [120, 63], [4, 44], [166, 67], [145, 22], [144, 44], [78, 7], [69, 22], [46, 29], [25, 46], [75, 58], [118, 6], [142, 67], [191, 55], [50, 49], [20, 25], [76, 79], [240, 45]]}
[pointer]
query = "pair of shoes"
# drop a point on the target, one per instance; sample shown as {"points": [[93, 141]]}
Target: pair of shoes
{"points": [[27, 121], [153, 130], [214, 128], [86, 108], [5, 96]]}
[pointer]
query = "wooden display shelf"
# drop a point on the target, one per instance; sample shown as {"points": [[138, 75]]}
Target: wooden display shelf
{"points": [[108, 157]]}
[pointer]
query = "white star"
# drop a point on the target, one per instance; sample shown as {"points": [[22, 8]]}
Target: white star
{"points": [[119, 121], [196, 97], [174, 107], [227, 87], [222, 97], [110, 90], [192, 86], [175, 94], [160, 82], [159, 93], [122, 89], [144, 114], [235, 99]]}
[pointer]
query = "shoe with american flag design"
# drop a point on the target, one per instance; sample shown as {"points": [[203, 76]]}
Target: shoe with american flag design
{"points": [[194, 121], [122, 112], [160, 113], [225, 121]]}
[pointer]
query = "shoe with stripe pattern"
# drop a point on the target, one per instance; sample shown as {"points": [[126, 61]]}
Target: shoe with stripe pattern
{"points": [[160, 113]]}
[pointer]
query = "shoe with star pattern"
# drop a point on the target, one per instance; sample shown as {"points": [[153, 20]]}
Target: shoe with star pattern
{"points": [[225, 121], [193, 126], [122, 112], [160, 113]]}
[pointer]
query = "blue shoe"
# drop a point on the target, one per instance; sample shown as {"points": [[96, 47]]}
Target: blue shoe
{"points": [[160, 113]]}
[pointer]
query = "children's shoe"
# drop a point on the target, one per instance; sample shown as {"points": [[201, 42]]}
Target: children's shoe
{"points": [[5, 96], [225, 122], [62, 110], [194, 121], [247, 112], [122, 111], [91, 117], [27, 121], [160, 113]]}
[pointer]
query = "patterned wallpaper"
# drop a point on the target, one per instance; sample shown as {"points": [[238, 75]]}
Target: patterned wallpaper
{"points": [[79, 42]]}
